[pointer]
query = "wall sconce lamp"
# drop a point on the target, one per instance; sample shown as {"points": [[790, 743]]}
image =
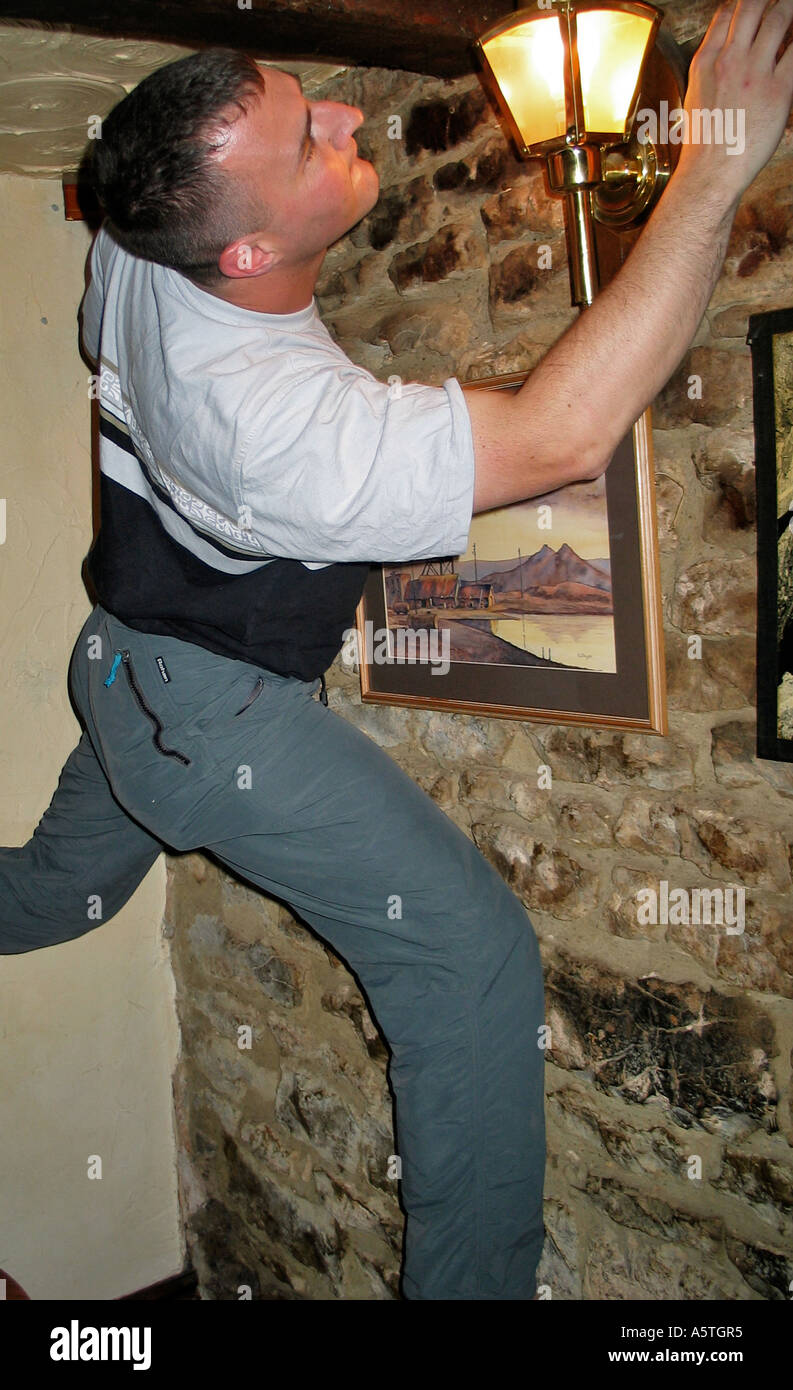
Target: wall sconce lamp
{"points": [[568, 76]]}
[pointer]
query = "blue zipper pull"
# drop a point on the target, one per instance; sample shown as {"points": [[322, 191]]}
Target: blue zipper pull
{"points": [[116, 663]]}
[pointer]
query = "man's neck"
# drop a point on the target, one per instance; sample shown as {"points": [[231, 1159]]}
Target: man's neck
{"points": [[279, 291]]}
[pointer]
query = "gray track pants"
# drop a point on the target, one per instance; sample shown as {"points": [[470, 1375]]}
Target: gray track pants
{"points": [[297, 801]]}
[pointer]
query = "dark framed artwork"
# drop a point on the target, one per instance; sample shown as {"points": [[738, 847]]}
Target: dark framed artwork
{"points": [[770, 337], [553, 612]]}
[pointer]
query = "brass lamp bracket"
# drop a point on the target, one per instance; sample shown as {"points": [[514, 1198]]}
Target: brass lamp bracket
{"points": [[634, 177]]}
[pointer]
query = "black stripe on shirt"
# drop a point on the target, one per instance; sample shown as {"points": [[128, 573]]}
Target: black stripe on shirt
{"points": [[118, 436]]}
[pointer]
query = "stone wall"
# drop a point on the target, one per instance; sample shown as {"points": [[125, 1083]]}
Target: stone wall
{"points": [[668, 1077]]}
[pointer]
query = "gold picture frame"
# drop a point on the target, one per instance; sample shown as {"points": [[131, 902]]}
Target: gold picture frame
{"points": [[507, 678]]}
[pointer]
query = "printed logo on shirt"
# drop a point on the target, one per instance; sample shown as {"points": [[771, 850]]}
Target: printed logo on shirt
{"points": [[163, 669]]}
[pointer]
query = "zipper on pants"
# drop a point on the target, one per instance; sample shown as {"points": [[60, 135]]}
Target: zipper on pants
{"points": [[141, 701]]}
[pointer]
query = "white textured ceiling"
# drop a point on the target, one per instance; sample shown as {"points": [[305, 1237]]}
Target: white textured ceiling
{"points": [[52, 82]]}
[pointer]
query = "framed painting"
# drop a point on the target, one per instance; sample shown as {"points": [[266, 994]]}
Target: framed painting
{"points": [[770, 337], [552, 613]]}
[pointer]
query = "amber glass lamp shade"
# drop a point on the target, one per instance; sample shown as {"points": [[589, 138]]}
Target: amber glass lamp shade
{"points": [[568, 72]]}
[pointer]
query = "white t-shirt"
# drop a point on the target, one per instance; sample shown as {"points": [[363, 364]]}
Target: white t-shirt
{"points": [[259, 432]]}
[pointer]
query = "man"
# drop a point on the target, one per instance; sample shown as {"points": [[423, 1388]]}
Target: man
{"points": [[250, 474]]}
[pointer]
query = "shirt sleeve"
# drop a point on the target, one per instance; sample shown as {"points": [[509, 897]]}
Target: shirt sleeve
{"points": [[90, 311], [341, 466]]}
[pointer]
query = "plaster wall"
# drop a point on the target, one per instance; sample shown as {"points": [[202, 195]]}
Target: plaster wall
{"points": [[88, 1034]]}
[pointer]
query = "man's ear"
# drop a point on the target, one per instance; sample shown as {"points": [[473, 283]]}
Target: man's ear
{"points": [[243, 258]]}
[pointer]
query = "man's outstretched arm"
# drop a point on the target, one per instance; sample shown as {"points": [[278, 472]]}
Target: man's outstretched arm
{"points": [[568, 417]]}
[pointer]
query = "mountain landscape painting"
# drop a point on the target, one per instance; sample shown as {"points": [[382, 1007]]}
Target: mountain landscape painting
{"points": [[532, 589]]}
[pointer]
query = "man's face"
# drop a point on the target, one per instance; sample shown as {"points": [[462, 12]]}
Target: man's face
{"points": [[301, 158]]}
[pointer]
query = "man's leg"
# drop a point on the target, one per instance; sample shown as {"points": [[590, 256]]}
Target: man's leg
{"points": [[297, 801], [449, 962], [83, 862], [85, 858]]}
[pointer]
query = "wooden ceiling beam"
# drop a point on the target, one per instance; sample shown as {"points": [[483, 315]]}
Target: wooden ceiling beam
{"points": [[433, 37]]}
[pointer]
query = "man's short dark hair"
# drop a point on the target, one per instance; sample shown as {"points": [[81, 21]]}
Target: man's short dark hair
{"points": [[164, 197]]}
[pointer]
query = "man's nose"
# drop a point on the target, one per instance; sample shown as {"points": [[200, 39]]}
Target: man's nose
{"points": [[337, 121]]}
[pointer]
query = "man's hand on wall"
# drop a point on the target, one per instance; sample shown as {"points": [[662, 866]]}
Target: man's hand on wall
{"points": [[735, 71]]}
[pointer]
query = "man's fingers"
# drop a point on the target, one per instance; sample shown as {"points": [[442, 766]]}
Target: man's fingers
{"points": [[746, 21], [784, 68], [773, 29], [717, 30]]}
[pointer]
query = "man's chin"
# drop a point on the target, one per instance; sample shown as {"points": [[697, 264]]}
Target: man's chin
{"points": [[364, 208]]}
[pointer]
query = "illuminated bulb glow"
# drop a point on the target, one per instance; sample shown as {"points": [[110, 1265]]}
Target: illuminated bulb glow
{"points": [[547, 56], [611, 45], [528, 65]]}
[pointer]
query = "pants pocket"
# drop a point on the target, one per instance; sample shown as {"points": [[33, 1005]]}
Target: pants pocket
{"points": [[124, 659], [254, 695]]}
